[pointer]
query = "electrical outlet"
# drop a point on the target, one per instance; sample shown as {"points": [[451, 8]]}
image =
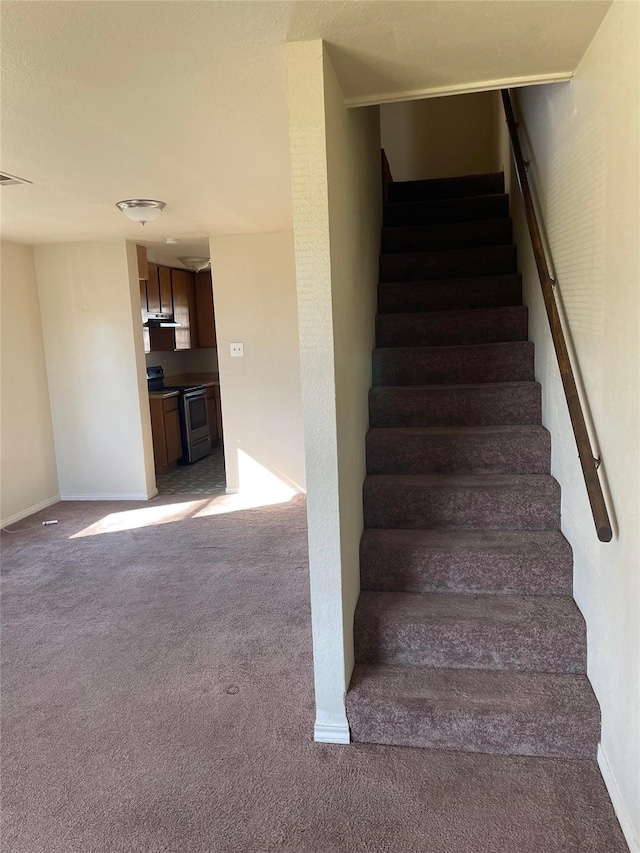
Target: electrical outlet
{"points": [[237, 350]]}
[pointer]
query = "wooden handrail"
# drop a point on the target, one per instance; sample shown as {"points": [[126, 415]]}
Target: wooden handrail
{"points": [[587, 460]]}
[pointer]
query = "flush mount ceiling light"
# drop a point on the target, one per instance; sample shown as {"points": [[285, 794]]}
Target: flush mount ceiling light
{"points": [[141, 210], [195, 264]]}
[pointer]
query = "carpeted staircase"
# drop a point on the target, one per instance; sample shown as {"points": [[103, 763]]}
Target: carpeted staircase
{"points": [[466, 633]]}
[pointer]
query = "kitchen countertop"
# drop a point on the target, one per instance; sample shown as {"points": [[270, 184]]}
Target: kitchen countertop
{"points": [[162, 395]]}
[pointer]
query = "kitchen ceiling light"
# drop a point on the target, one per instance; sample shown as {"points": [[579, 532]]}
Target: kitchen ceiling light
{"points": [[141, 210], [195, 264]]}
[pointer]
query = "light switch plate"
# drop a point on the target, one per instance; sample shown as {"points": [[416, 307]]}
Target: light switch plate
{"points": [[237, 350]]}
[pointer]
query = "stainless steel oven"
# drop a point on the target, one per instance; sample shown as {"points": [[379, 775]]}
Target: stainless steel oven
{"points": [[194, 424]]}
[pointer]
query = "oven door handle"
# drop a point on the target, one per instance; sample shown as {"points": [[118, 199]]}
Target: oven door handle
{"points": [[193, 395]]}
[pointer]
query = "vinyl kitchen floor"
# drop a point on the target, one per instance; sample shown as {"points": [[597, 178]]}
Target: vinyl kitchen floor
{"points": [[205, 477]]}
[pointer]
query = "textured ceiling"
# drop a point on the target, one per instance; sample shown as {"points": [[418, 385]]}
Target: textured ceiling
{"points": [[186, 101]]}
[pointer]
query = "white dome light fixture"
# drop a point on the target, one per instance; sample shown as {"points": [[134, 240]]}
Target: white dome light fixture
{"points": [[195, 264], [141, 210]]}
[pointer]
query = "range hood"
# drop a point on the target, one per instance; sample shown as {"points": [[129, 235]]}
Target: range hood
{"points": [[161, 321]]}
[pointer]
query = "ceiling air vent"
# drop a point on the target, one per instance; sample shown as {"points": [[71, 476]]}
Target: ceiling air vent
{"points": [[6, 179]]}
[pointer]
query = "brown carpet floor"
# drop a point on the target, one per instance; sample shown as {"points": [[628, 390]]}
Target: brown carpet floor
{"points": [[158, 696]]}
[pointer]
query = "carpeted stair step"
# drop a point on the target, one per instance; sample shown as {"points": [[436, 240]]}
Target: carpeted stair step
{"points": [[504, 713], [437, 188], [449, 294], [459, 450], [535, 633], [516, 562], [462, 502], [449, 263], [459, 235], [446, 210], [469, 364], [486, 404], [446, 328]]}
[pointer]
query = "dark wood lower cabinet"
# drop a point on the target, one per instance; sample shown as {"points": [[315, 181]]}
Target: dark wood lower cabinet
{"points": [[214, 412], [165, 429]]}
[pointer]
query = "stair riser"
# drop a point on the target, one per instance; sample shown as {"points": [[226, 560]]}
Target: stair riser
{"points": [[458, 263], [449, 295], [388, 568], [496, 454], [454, 365], [412, 238], [452, 328], [490, 405], [462, 187], [523, 647], [446, 211], [491, 732], [530, 506]]}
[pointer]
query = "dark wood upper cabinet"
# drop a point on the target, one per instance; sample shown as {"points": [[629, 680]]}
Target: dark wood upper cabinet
{"points": [[204, 307], [153, 290], [184, 309], [164, 283]]}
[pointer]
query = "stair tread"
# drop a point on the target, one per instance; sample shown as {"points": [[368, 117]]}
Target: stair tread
{"points": [[475, 541], [453, 282], [463, 186], [399, 608], [450, 431], [520, 633], [477, 690], [453, 313], [460, 250], [437, 236], [503, 345], [555, 715], [499, 562], [450, 386], [461, 481]]}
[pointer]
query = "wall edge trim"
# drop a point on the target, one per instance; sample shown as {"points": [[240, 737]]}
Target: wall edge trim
{"points": [[18, 516], [460, 89], [617, 801], [323, 733]]}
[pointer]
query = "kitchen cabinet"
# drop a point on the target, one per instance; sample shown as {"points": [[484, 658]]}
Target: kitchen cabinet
{"points": [[143, 266], [184, 309], [204, 309], [165, 430], [159, 296], [214, 413]]}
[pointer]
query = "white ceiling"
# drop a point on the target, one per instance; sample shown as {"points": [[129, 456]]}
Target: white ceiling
{"points": [[186, 101]]}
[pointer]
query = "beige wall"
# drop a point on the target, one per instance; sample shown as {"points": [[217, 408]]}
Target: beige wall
{"points": [[439, 137], [335, 165], [90, 307], [583, 140], [28, 474], [255, 300]]}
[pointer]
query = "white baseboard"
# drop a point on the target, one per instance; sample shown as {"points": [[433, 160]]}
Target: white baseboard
{"points": [[619, 806], [232, 491], [143, 496], [18, 516], [331, 734]]}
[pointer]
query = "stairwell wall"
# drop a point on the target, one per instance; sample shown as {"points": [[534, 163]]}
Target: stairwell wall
{"points": [[336, 186], [439, 137], [582, 138]]}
